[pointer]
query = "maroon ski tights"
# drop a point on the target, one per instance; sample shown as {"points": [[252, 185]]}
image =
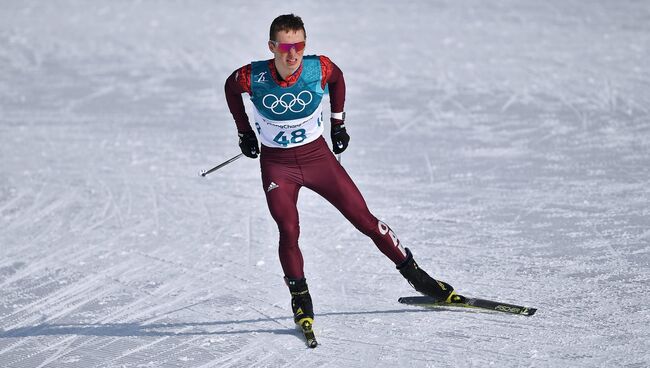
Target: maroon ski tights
{"points": [[313, 165]]}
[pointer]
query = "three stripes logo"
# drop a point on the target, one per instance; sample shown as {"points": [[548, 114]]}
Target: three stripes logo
{"points": [[272, 186]]}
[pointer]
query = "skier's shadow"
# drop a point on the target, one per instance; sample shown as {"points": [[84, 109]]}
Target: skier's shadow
{"points": [[215, 328]]}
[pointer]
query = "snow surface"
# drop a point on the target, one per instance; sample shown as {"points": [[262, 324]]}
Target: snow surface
{"points": [[506, 142]]}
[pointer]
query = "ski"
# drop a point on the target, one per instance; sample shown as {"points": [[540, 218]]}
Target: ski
{"points": [[307, 330], [466, 302]]}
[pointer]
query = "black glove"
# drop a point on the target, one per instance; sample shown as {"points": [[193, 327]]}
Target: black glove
{"points": [[340, 137], [248, 144]]}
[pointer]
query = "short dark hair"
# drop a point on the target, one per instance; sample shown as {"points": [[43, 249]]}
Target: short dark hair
{"points": [[286, 22]]}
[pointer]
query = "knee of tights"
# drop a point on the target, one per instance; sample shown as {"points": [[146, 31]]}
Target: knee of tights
{"points": [[366, 226], [289, 233]]}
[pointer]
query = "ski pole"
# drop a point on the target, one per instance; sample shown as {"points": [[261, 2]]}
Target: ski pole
{"points": [[204, 172]]}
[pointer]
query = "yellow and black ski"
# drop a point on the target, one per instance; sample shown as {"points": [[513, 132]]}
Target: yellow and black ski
{"points": [[306, 326], [466, 302]]}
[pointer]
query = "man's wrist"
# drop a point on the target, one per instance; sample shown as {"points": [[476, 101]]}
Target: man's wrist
{"points": [[336, 122], [337, 118]]}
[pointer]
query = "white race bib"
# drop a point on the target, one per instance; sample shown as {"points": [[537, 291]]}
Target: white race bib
{"points": [[289, 133]]}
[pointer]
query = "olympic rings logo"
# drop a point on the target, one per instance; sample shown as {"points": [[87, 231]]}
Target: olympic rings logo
{"points": [[287, 102]]}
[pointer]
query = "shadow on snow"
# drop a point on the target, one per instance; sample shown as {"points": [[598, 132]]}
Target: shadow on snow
{"points": [[160, 329]]}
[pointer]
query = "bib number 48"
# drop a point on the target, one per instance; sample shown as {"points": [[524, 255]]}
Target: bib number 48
{"points": [[296, 136]]}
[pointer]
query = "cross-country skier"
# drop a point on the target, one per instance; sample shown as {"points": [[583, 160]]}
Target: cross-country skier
{"points": [[287, 92]]}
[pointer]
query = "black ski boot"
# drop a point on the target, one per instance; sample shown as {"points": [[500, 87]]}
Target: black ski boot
{"points": [[422, 282], [300, 301]]}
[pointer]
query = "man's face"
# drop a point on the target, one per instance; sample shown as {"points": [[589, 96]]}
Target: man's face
{"points": [[290, 59]]}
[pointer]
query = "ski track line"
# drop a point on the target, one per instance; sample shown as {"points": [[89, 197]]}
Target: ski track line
{"points": [[29, 339], [128, 194], [197, 271], [249, 236], [156, 209], [28, 355], [13, 202], [235, 358], [25, 252], [347, 340], [622, 263], [117, 314], [145, 304], [67, 341], [6, 262], [220, 361], [269, 317], [200, 272], [187, 345], [78, 222], [108, 244], [148, 345], [28, 290], [165, 296], [536, 208], [61, 351], [210, 219], [57, 204], [265, 360], [36, 211], [397, 132], [185, 307], [111, 203], [35, 207], [66, 301], [89, 341], [160, 304], [43, 263], [142, 324], [514, 96], [67, 293], [73, 104], [117, 208], [391, 113], [66, 290], [104, 216], [342, 229], [259, 358], [429, 169], [51, 227], [150, 311]]}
